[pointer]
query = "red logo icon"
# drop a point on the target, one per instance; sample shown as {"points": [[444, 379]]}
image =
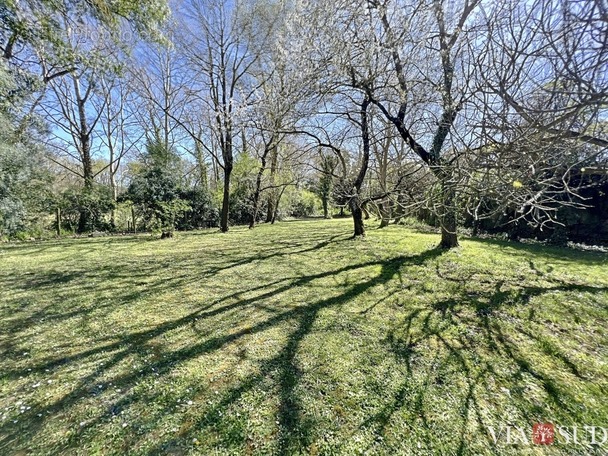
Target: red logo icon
{"points": [[543, 434]]}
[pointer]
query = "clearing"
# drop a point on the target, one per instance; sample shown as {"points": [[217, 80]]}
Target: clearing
{"points": [[294, 339]]}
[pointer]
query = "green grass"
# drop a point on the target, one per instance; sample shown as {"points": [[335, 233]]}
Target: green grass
{"points": [[294, 339]]}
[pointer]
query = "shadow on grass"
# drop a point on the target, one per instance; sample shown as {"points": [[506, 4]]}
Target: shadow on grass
{"points": [[36, 247], [478, 335], [104, 279], [469, 332], [294, 429], [544, 251]]}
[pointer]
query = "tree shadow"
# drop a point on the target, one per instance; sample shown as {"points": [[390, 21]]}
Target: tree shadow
{"points": [[293, 427], [104, 279], [472, 332], [478, 335], [543, 251]]}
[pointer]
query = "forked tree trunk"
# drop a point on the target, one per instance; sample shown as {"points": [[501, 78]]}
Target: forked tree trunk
{"points": [[258, 185], [275, 213], [270, 209], [84, 146]]}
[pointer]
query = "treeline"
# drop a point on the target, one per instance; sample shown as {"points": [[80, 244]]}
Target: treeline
{"points": [[126, 116]]}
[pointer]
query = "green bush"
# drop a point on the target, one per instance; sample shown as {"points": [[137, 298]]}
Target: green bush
{"points": [[96, 203], [305, 204]]}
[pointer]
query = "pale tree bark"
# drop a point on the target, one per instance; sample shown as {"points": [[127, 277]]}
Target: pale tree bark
{"points": [[83, 146], [449, 107], [269, 148], [382, 152]]}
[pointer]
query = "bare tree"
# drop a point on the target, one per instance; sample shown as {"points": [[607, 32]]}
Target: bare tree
{"points": [[158, 78], [407, 58], [219, 53], [479, 92], [542, 96], [282, 92], [119, 134], [443, 48], [74, 118]]}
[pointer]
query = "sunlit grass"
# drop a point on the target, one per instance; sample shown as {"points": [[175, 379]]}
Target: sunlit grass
{"points": [[295, 339]]}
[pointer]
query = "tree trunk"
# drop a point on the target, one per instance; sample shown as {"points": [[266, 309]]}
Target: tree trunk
{"points": [[134, 220], [258, 184], [226, 198], [366, 215], [256, 201], [449, 237], [399, 211], [475, 228], [84, 146], [325, 200], [354, 203], [114, 197], [385, 214], [275, 211], [58, 221], [87, 168], [83, 221], [357, 211], [514, 231], [385, 205], [272, 204], [270, 209]]}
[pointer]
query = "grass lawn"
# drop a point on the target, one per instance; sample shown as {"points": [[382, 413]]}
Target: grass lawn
{"points": [[294, 339]]}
